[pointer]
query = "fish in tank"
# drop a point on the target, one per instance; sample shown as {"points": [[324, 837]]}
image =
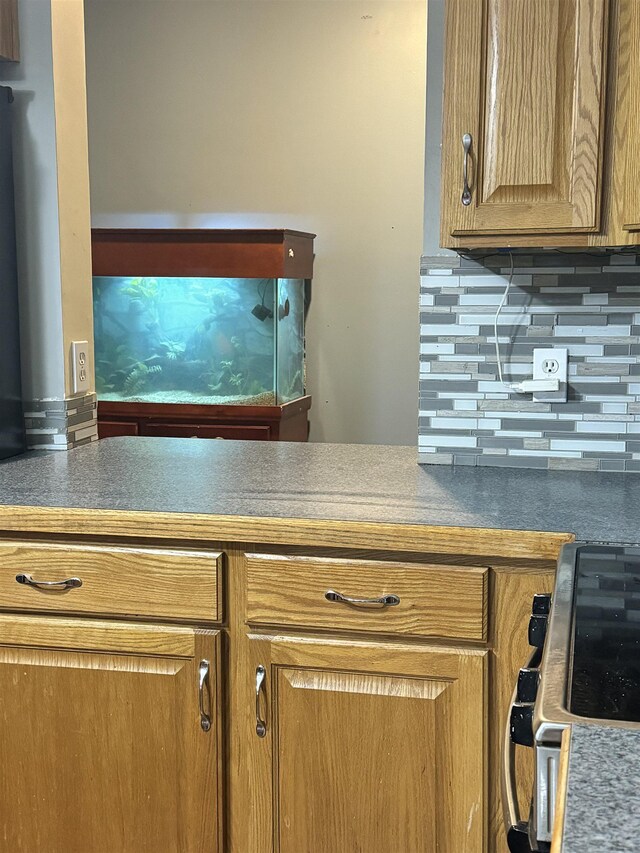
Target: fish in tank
{"points": [[235, 341]]}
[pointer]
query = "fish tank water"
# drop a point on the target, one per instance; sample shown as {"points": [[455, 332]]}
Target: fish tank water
{"points": [[237, 341]]}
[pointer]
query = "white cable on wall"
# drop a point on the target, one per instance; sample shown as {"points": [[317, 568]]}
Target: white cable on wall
{"points": [[505, 295], [527, 386]]}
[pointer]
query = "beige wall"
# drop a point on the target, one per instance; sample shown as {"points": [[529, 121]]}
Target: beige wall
{"points": [[72, 158], [306, 114]]}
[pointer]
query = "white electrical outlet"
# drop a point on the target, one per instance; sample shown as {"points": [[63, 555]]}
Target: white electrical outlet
{"points": [[80, 365], [551, 363]]}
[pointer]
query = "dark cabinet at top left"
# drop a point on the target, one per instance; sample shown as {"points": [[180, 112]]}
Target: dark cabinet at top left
{"points": [[9, 40], [12, 439]]}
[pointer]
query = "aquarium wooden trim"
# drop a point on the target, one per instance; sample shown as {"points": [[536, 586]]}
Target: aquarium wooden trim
{"points": [[211, 253], [205, 411], [287, 422]]}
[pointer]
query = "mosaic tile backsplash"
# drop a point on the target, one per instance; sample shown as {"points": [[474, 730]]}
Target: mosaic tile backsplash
{"points": [[588, 303], [61, 424]]}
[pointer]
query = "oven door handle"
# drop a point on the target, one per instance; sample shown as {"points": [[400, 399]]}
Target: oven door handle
{"points": [[517, 829]]}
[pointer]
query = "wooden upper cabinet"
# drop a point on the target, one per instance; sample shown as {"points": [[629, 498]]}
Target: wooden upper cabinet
{"points": [[366, 747], [525, 79], [9, 40], [621, 178], [629, 112]]}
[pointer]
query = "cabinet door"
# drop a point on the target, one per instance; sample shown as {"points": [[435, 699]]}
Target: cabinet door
{"points": [[111, 429], [368, 746], [525, 79], [9, 40], [629, 110], [101, 738]]}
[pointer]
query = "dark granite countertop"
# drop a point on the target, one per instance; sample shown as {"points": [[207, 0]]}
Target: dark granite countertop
{"points": [[321, 481], [602, 809]]}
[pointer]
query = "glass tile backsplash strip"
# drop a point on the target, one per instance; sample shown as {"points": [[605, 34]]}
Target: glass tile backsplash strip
{"points": [[588, 303]]}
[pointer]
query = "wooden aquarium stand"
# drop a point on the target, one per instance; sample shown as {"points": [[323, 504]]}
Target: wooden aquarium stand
{"points": [[287, 422]]}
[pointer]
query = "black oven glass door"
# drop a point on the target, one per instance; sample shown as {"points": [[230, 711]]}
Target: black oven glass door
{"points": [[605, 668]]}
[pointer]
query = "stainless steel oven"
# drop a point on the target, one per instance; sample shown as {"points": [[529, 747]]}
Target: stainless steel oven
{"points": [[584, 667]]}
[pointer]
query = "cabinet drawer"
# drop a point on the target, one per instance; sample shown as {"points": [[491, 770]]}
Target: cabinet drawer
{"points": [[435, 600], [250, 432], [162, 583], [111, 429]]}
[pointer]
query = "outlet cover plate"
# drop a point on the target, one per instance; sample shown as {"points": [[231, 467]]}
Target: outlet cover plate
{"points": [[80, 366], [541, 370]]}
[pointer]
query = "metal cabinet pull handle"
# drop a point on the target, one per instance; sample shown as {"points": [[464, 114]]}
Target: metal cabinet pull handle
{"points": [[382, 601], [466, 192], [203, 681], [69, 583], [261, 725]]}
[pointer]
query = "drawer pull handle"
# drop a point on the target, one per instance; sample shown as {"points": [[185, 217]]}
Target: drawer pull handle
{"points": [[383, 601], [261, 725], [466, 190], [205, 719], [69, 583]]}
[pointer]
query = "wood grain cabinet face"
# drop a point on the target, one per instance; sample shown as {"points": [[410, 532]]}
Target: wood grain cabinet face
{"points": [[526, 80], [238, 433], [433, 601], [175, 584], [628, 111], [111, 429], [9, 40], [368, 747], [100, 730]]}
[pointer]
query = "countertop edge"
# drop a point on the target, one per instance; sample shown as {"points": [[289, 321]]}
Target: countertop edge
{"points": [[471, 541]]}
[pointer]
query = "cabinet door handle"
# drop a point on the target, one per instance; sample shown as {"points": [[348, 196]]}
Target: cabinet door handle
{"points": [[382, 601], [466, 192], [69, 583], [203, 683], [261, 725]]}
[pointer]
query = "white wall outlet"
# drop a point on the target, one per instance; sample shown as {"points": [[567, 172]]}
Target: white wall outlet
{"points": [[551, 363], [80, 366]]}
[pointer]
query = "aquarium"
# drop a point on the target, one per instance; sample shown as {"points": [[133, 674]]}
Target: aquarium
{"points": [[196, 340]]}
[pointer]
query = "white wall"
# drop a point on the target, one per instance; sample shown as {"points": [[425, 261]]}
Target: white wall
{"points": [[307, 114]]}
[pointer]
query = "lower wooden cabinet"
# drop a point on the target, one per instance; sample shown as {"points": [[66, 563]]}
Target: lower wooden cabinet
{"points": [[343, 727], [101, 738], [366, 747]]}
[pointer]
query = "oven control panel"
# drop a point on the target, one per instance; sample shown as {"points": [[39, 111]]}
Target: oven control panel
{"points": [[521, 715]]}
